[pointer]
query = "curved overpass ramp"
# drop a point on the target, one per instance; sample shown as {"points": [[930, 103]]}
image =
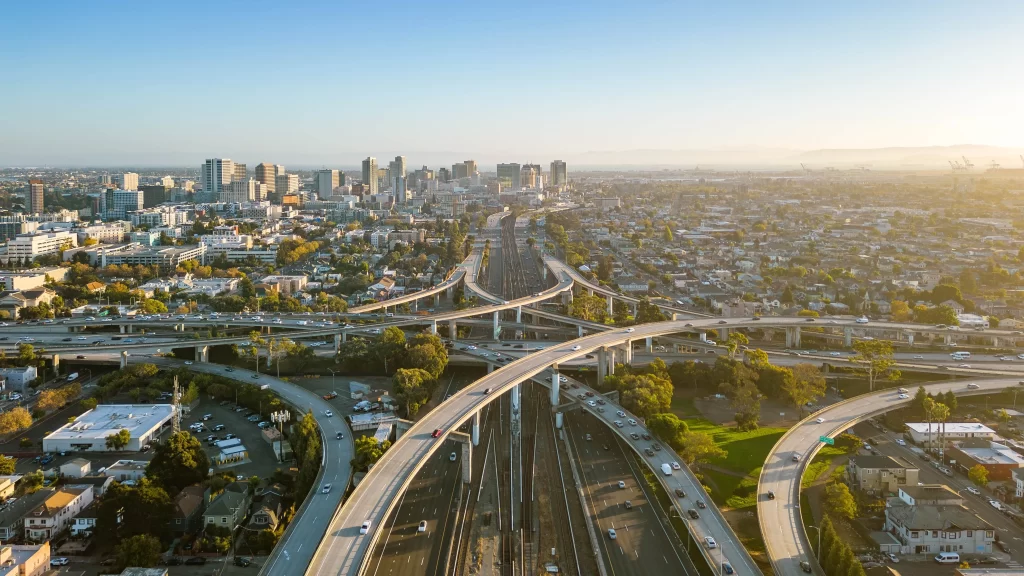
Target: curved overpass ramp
{"points": [[781, 523]]}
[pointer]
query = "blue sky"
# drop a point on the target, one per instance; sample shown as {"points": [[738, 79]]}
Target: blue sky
{"points": [[330, 82]]}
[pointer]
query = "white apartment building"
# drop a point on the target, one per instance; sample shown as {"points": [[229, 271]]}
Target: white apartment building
{"points": [[930, 528], [32, 246], [919, 431], [122, 202], [56, 513], [112, 233], [240, 191], [126, 181]]}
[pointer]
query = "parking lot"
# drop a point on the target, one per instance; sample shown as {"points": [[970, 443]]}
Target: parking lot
{"points": [[261, 462]]}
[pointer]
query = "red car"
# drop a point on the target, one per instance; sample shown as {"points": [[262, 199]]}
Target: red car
{"points": [[436, 433]]}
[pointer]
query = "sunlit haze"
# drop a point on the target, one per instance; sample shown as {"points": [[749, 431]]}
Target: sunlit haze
{"points": [[595, 83]]}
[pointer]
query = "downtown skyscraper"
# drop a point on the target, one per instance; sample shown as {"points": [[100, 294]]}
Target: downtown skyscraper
{"points": [[370, 175]]}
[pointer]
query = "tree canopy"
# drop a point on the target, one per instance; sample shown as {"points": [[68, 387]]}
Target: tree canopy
{"points": [[179, 462]]}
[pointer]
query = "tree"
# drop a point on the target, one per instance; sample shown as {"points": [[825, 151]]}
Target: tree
{"points": [[152, 306], [368, 451], [978, 474], [15, 419], [805, 313], [647, 312], [427, 351], [605, 265], [807, 385], [7, 465], [410, 388], [900, 311], [126, 511], [389, 347], [590, 308], [668, 428], [787, 295], [119, 440], [732, 344], [756, 358], [179, 462], [141, 550], [944, 292], [839, 500], [26, 354], [645, 394], [876, 360], [739, 383], [699, 448], [666, 235]]}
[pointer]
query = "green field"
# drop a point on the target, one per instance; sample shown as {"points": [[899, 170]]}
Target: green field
{"points": [[746, 454]]}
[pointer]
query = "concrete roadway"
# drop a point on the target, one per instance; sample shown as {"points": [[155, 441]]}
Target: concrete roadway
{"points": [[430, 497], [781, 523], [642, 545]]}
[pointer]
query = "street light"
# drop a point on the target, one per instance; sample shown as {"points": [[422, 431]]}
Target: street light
{"points": [[333, 374], [280, 418], [818, 551]]}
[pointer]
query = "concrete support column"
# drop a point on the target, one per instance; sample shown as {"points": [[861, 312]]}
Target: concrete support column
{"points": [[703, 336], [344, 337], [947, 339], [634, 310], [611, 361], [515, 397], [602, 364], [467, 462], [131, 328], [590, 291], [796, 336], [476, 428], [579, 331], [433, 327], [490, 367], [203, 353], [124, 359], [519, 314], [437, 299], [723, 335], [675, 316], [910, 338], [555, 383], [497, 326], [847, 337], [416, 305], [611, 306], [567, 296], [627, 352], [453, 330], [123, 328], [544, 272], [337, 342], [56, 362], [649, 345]]}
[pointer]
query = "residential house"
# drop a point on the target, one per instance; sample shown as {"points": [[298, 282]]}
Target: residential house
{"points": [[631, 284], [25, 560], [76, 468], [1011, 324], [189, 506], [229, 508], [931, 519], [13, 301], [12, 518], [7, 485], [56, 513], [99, 482], [85, 522], [956, 306], [266, 511], [874, 474]]}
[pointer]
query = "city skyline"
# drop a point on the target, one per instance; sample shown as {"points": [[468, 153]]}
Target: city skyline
{"points": [[672, 78]]}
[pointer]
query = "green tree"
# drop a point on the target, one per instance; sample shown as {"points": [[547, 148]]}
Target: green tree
{"points": [[875, 358], [178, 462], [666, 235], [15, 419], [368, 451], [647, 312], [944, 292], [590, 308], [645, 394], [411, 389], [119, 440], [807, 385], [756, 358], [7, 465], [26, 354], [152, 306], [732, 344], [126, 511], [978, 474], [839, 500], [141, 550], [427, 351], [668, 428], [699, 448], [389, 348], [787, 296]]}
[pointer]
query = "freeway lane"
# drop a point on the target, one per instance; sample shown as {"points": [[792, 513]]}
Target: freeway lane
{"points": [[781, 523], [642, 545]]}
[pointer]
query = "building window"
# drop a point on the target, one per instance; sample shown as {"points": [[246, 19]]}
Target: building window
{"points": [[988, 533], [970, 533], [935, 533], [914, 534]]}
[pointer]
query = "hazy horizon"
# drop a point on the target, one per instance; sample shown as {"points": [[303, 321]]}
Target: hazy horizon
{"points": [[593, 84]]}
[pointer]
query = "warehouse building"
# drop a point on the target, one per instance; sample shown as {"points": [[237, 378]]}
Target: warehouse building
{"points": [[89, 431]]}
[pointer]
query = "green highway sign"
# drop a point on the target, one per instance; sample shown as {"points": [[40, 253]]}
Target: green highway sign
{"points": [[827, 440]]}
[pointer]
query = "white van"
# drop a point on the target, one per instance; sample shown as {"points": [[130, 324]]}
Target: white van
{"points": [[948, 558], [960, 355], [666, 469]]}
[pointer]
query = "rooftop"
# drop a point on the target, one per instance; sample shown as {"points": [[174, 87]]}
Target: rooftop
{"points": [[927, 517], [951, 428], [107, 419], [881, 462]]}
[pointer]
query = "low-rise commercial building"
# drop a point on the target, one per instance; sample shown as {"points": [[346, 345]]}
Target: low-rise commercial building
{"points": [[921, 432], [880, 474], [25, 560], [998, 459], [89, 431]]}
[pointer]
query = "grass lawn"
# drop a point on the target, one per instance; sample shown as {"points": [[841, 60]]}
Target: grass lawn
{"points": [[683, 407], [821, 463]]}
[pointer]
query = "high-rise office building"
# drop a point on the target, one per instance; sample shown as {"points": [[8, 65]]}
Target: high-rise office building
{"points": [[34, 197], [120, 202], [460, 170], [508, 176], [127, 181], [286, 184], [444, 175], [104, 180], [397, 178], [558, 174], [471, 167], [528, 176], [218, 173], [370, 174], [327, 181], [267, 174], [154, 195], [241, 191], [167, 182]]}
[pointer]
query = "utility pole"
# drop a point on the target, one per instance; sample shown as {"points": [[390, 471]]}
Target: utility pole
{"points": [[280, 418], [177, 406]]}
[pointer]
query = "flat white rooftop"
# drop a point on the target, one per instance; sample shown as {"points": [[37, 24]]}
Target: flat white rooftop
{"points": [[951, 428], [107, 419]]}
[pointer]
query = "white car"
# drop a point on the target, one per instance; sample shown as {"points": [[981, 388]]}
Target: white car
{"points": [[58, 561], [918, 357], [892, 558], [901, 441], [576, 348], [710, 542], [622, 484], [611, 533], [591, 403], [82, 338], [618, 423], [452, 457], [995, 504], [903, 396], [974, 490], [620, 414], [629, 330], [1020, 356], [631, 422], [470, 347], [676, 466], [328, 413], [188, 362], [862, 320], [365, 527], [834, 354], [326, 489], [963, 366], [819, 421], [422, 527]]}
